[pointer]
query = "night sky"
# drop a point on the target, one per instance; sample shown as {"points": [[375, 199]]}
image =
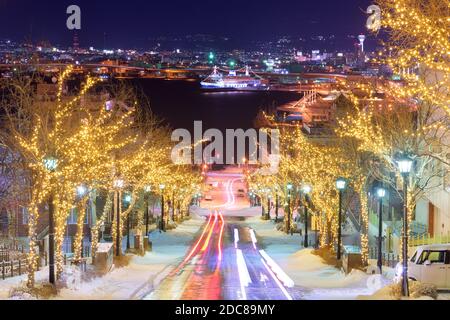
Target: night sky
{"points": [[131, 23]]}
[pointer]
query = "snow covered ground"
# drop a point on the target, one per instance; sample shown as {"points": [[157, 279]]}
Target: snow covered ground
{"points": [[130, 282], [315, 279]]}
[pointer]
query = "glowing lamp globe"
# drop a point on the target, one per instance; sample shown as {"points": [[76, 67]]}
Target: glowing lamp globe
{"points": [[119, 183], [405, 165], [381, 192], [81, 190], [341, 184], [306, 189], [50, 164]]}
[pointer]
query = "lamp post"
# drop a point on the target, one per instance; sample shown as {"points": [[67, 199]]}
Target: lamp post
{"points": [[268, 204], [51, 164], [277, 204], [162, 225], [118, 185], [405, 166], [381, 193], [147, 190], [288, 220], [172, 202], [127, 200], [341, 184], [81, 192], [306, 190], [263, 213]]}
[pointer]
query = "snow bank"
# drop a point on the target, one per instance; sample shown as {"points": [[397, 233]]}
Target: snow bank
{"points": [[316, 279], [308, 270], [418, 291]]}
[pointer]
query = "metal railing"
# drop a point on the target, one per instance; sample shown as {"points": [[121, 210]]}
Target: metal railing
{"points": [[389, 259], [425, 239], [9, 269]]}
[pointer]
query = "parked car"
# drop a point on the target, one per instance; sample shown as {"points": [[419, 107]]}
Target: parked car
{"points": [[430, 264]]}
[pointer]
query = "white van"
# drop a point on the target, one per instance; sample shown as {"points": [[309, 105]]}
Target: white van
{"points": [[430, 264]]}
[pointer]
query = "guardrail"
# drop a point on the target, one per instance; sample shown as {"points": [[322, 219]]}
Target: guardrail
{"points": [[9, 269]]}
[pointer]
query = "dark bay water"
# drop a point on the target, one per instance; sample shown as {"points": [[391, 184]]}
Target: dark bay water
{"points": [[180, 103]]}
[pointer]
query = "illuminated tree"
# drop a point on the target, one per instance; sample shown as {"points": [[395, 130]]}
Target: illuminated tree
{"points": [[418, 49], [64, 143]]}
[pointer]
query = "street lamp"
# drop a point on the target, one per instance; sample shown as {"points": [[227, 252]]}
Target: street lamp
{"points": [[199, 196], [127, 201], [268, 203], [341, 184], [51, 164], [172, 202], [162, 224], [405, 165], [118, 185], [81, 191], [277, 204], [306, 190], [288, 220], [381, 193], [147, 190]]}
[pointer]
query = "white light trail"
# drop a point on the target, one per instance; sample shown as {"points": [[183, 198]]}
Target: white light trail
{"points": [[288, 282], [283, 289], [236, 237], [253, 236], [244, 276]]}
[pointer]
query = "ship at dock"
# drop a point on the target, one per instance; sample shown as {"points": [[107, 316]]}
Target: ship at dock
{"points": [[235, 80]]}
